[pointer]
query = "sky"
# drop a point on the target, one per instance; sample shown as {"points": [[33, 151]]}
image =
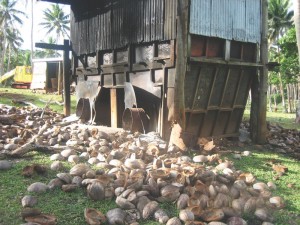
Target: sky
{"points": [[39, 33]]}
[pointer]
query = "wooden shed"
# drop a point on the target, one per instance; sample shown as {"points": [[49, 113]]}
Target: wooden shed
{"points": [[190, 62]]}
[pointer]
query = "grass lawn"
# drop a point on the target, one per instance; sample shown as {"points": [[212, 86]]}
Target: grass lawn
{"points": [[286, 120], [38, 98], [69, 207]]}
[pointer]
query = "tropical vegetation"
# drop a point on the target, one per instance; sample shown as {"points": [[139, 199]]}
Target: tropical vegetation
{"points": [[280, 21], [55, 23], [9, 35], [55, 20]]}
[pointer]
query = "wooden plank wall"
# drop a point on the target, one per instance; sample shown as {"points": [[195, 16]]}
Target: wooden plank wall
{"points": [[113, 24]]}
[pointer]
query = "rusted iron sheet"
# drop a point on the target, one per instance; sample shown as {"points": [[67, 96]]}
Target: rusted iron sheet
{"points": [[113, 24], [135, 119], [170, 19], [229, 19]]}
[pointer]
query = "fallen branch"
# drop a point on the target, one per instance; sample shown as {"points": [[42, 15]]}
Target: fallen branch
{"points": [[45, 107], [51, 102], [32, 146], [24, 103], [10, 119], [29, 146]]}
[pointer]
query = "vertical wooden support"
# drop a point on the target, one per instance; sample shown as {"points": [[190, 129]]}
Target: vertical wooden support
{"points": [[113, 107], [66, 75], [66, 70], [181, 61], [227, 50], [260, 86], [60, 78]]}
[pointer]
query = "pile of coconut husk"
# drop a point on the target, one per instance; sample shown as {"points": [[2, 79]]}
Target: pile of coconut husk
{"points": [[279, 139], [139, 172]]}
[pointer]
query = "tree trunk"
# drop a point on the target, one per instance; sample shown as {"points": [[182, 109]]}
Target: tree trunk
{"points": [[9, 56], [297, 23], [297, 26], [270, 98], [289, 107], [281, 87], [295, 97], [275, 100], [3, 51], [298, 112], [31, 35]]}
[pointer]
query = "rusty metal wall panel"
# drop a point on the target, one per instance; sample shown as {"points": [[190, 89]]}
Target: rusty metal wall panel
{"points": [[170, 19], [113, 24], [229, 19]]}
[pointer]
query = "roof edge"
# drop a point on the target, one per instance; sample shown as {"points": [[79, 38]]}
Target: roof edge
{"points": [[66, 2]]}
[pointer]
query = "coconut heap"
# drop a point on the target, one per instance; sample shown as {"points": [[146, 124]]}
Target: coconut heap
{"points": [[281, 140], [140, 172]]}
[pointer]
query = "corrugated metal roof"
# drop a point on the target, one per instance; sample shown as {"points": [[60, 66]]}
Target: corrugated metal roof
{"points": [[230, 19]]}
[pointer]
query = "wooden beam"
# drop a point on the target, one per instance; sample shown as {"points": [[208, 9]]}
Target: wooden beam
{"points": [[66, 47], [66, 75], [223, 62], [60, 78], [53, 46], [227, 50], [113, 107]]}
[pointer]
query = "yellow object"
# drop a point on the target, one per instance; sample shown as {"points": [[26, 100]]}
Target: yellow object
{"points": [[23, 74], [7, 75]]}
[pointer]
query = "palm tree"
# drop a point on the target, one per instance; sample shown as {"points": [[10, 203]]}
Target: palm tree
{"points": [[297, 26], [297, 23], [14, 42], [31, 28], [47, 53], [9, 16], [26, 58], [55, 20], [279, 20]]}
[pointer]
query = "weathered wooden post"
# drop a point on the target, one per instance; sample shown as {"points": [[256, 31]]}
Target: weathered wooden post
{"points": [[66, 70], [260, 86], [66, 75]]}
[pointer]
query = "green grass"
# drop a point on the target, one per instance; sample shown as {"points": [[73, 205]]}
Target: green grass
{"points": [[286, 120], [9, 94], [258, 165], [69, 207]]}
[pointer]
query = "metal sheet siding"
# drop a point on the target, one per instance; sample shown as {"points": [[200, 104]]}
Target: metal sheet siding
{"points": [[229, 19], [239, 20], [113, 24], [218, 15], [253, 22], [200, 21]]}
